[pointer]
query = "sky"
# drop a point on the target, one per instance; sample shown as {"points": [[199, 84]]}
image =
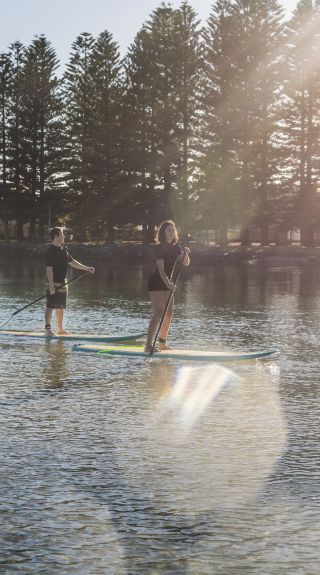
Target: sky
{"points": [[63, 20]]}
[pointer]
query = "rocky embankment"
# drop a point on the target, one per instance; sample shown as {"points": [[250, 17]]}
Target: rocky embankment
{"points": [[134, 252]]}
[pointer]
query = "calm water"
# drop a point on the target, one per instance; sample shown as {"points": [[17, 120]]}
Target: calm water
{"points": [[118, 466]]}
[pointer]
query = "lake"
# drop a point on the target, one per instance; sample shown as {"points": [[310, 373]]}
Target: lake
{"points": [[114, 465]]}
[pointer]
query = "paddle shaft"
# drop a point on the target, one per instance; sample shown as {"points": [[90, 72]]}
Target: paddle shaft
{"points": [[168, 302], [42, 297]]}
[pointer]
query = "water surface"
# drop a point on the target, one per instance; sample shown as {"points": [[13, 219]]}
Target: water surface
{"points": [[119, 466]]}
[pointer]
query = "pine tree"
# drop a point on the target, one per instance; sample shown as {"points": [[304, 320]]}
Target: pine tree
{"points": [[163, 74], [188, 81], [302, 114], [41, 127], [162, 33], [267, 72], [5, 88], [139, 141], [219, 206], [243, 41], [107, 88], [79, 97], [17, 162]]}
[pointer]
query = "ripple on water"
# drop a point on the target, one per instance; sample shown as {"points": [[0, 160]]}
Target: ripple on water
{"points": [[111, 465]]}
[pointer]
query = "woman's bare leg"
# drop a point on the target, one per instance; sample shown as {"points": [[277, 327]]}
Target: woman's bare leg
{"points": [[166, 322], [158, 301]]}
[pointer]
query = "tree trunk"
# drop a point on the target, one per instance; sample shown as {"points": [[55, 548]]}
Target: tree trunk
{"points": [[148, 233], [264, 234], [306, 223], [20, 229], [32, 228], [110, 233], [306, 170], [42, 228], [244, 236], [6, 227], [222, 233]]}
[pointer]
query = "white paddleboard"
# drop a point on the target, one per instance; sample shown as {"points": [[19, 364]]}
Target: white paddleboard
{"points": [[73, 336], [185, 354]]}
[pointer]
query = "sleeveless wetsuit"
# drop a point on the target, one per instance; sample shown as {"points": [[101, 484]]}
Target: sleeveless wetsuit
{"points": [[168, 253]]}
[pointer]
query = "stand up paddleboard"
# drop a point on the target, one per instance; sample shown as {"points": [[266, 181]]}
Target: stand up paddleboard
{"points": [[74, 336], [185, 354]]}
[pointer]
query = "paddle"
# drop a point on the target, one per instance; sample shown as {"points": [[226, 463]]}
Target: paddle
{"points": [[169, 299], [42, 297]]}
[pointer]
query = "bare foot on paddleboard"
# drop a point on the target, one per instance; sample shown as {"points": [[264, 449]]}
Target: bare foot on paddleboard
{"points": [[164, 347], [63, 332]]}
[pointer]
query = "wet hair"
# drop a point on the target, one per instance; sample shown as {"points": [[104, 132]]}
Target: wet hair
{"points": [[161, 236], [54, 232]]}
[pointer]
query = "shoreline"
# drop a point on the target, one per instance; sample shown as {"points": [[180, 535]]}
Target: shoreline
{"points": [[135, 252]]}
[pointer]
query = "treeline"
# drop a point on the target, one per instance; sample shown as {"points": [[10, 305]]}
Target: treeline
{"points": [[215, 126]]}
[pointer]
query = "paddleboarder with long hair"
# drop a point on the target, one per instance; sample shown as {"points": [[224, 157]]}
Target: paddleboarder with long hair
{"points": [[161, 283]]}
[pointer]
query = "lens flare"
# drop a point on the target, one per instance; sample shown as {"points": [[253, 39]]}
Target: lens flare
{"points": [[209, 439], [194, 389]]}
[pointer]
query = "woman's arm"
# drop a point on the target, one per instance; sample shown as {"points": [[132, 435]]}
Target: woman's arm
{"points": [[185, 257]]}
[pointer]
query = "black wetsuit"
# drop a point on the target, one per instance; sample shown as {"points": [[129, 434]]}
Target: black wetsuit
{"points": [[58, 258], [169, 254]]}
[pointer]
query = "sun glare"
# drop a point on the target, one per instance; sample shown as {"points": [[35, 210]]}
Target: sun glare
{"points": [[195, 389]]}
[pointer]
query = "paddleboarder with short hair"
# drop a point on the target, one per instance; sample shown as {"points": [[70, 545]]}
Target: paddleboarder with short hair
{"points": [[57, 260], [161, 284]]}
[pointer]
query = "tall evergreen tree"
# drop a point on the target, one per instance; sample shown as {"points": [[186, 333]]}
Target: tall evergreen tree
{"points": [[219, 205], [188, 82], [268, 42], [243, 41], [17, 161], [302, 114], [139, 137], [106, 165], [162, 82], [5, 88], [162, 32], [41, 109], [79, 97]]}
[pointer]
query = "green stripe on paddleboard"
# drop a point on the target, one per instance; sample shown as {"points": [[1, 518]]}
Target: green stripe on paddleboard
{"points": [[185, 354]]}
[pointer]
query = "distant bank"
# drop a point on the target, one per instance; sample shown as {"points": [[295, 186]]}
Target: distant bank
{"points": [[134, 252]]}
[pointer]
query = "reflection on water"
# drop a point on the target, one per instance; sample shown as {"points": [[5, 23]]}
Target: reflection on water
{"points": [[211, 467], [56, 367], [194, 391], [113, 465]]}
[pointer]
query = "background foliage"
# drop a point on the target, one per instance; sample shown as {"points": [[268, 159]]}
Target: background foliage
{"points": [[214, 126]]}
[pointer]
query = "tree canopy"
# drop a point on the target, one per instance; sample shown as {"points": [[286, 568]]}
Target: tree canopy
{"points": [[215, 125]]}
